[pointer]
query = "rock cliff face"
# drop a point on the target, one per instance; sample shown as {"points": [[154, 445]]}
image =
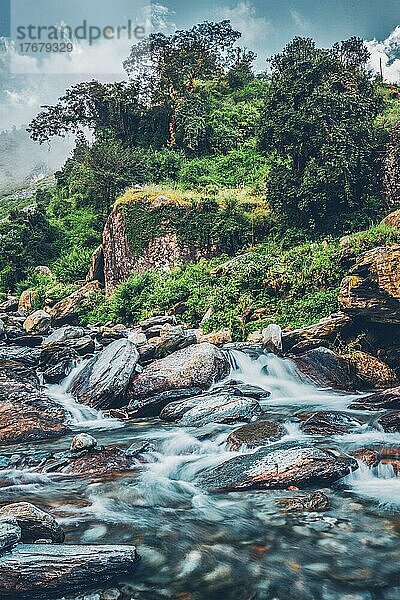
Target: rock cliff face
{"points": [[372, 289]]}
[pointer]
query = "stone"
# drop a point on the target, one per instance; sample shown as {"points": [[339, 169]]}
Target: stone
{"points": [[253, 435], [51, 355], [63, 568], [35, 524], [10, 304], [389, 422], [327, 328], [172, 338], [96, 269], [218, 338], [325, 368], [154, 324], [220, 408], [314, 502], [392, 219], [372, 371], [83, 442], [38, 322], [272, 338], [62, 335], [104, 381], [386, 399], [65, 311], [43, 270], [198, 365], [26, 300], [255, 337], [372, 289], [329, 423], [152, 406], [27, 415], [10, 533], [278, 466], [98, 462]]}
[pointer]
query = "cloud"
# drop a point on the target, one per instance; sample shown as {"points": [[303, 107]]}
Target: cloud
{"points": [[386, 52], [254, 27], [300, 22]]}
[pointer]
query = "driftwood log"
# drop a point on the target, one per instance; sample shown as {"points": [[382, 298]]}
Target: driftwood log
{"points": [[31, 570]]}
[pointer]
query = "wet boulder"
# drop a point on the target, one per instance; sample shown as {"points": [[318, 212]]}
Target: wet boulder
{"points": [[372, 372], [329, 423], [325, 368], [372, 288], [96, 462], [35, 524], [373, 457], [38, 570], [63, 335], [278, 466], [221, 408], [28, 356], [199, 365], [253, 435], [10, 533], [104, 381], [389, 422], [151, 407], [38, 322], [27, 415], [387, 399], [83, 442], [314, 502]]}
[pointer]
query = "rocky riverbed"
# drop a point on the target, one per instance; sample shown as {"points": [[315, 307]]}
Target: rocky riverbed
{"points": [[232, 472]]}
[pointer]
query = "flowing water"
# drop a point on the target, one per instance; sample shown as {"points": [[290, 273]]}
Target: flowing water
{"points": [[240, 545]]}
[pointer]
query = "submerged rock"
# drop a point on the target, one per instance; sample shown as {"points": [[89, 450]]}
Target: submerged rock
{"points": [[329, 423], [199, 366], [324, 368], [35, 524], [256, 434], [83, 442], [41, 569], [277, 466], [104, 381], [314, 502]]}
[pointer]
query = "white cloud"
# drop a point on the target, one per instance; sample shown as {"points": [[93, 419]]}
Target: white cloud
{"points": [[386, 52], [300, 22], [254, 28]]}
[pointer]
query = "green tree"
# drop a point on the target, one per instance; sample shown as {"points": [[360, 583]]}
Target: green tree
{"points": [[319, 119]]}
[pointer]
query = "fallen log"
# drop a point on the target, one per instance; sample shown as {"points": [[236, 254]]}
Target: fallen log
{"points": [[33, 569]]}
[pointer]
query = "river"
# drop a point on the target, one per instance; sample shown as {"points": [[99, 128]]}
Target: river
{"points": [[237, 545]]}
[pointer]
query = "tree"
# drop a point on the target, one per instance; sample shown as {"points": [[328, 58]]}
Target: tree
{"points": [[319, 120], [166, 67]]}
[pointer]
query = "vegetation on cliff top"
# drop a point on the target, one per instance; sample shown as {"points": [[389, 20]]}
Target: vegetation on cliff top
{"points": [[274, 167]]}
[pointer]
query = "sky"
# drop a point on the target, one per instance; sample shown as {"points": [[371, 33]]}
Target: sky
{"points": [[28, 81]]}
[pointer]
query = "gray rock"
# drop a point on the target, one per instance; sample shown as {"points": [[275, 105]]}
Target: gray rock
{"points": [[256, 434], [9, 305], [35, 524], [28, 356], [277, 466], [104, 381], [10, 532], [220, 409], [196, 366], [151, 407], [272, 338], [172, 339], [37, 323], [63, 334], [325, 368], [83, 442], [329, 423]]}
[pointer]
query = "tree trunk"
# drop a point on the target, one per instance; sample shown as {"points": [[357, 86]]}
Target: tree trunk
{"points": [[32, 570]]}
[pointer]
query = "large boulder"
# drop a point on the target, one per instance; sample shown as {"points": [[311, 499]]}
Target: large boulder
{"points": [[38, 322], [26, 415], [96, 269], [35, 524], [10, 533], [386, 399], [172, 338], [324, 368], [280, 465], [392, 219], [372, 289], [372, 371], [199, 366], [66, 311], [329, 423], [218, 408], [104, 381], [326, 329]]}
